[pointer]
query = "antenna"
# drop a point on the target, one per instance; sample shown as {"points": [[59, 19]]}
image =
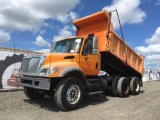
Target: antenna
{"points": [[121, 32]]}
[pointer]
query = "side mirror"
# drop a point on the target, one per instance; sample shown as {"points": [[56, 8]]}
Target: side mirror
{"points": [[95, 46], [95, 43]]}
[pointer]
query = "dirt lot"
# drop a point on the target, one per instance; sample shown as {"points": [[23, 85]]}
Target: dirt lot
{"points": [[146, 106]]}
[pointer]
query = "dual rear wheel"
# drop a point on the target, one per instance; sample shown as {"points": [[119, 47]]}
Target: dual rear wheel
{"points": [[123, 87], [134, 86]]}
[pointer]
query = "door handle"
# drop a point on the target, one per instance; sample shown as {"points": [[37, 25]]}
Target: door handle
{"points": [[86, 58], [96, 65]]}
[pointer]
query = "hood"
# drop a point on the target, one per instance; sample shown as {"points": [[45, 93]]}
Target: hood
{"points": [[59, 58]]}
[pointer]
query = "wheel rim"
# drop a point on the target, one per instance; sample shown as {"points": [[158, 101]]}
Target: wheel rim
{"points": [[137, 86], [73, 94], [126, 87]]}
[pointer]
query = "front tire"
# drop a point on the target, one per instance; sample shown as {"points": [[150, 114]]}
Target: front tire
{"points": [[34, 94], [69, 93]]}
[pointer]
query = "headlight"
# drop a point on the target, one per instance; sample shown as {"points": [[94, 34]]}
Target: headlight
{"points": [[53, 70], [48, 71]]}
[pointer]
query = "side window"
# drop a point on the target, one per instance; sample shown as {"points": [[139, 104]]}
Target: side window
{"points": [[88, 46]]}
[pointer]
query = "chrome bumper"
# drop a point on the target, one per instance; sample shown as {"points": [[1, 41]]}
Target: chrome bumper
{"points": [[39, 83]]}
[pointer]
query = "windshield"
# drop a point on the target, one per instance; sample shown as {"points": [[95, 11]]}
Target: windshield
{"points": [[71, 45]]}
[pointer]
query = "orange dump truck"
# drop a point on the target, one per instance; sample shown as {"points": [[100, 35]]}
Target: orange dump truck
{"points": [[94, 61]]}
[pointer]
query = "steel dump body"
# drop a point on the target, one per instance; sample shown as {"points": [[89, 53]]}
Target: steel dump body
{"points": [[115, 53]]}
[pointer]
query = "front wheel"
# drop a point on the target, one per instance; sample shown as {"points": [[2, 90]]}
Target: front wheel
{"points": [[34, 94], [69, 93]]}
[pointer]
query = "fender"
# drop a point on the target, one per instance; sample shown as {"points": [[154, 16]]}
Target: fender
{"points": [[70, 69], [80, 75]]}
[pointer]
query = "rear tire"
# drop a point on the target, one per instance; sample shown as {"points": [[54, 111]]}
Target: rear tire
{"points": [[114, 86], [69, 93], [123, 87], [34, 94], [134, 86]]}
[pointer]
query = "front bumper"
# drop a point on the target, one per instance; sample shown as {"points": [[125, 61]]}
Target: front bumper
{"points": [[33, 82]]}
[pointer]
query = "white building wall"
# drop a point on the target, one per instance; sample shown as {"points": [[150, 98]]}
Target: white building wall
{"points": [[151, 74]]}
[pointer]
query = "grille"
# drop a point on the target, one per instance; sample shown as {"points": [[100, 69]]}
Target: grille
{"points": [[25, 64], [30, 65]]}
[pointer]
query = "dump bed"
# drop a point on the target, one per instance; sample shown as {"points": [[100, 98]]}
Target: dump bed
{"points": [[110, 43]]}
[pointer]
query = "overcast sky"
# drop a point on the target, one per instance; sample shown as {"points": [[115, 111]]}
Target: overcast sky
{"points": [[33, 24]]}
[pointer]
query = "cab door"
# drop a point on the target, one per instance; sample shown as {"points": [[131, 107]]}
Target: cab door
{"points": [[89, 62]]}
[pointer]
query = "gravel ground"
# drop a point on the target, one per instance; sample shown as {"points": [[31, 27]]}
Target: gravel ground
{"points": [[145, 106]]}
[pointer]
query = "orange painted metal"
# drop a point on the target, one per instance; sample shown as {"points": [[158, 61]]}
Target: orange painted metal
{"points": [[99, 24], [96, 24]]}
